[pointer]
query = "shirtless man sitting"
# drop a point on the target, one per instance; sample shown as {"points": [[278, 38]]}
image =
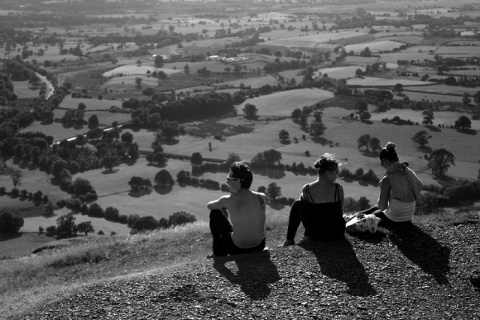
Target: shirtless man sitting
{"points": [[237, 220]]}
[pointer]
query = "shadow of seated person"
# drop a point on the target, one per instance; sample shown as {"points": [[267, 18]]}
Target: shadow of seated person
{"points": [[422, 249], [253, 272], [338, 260]]}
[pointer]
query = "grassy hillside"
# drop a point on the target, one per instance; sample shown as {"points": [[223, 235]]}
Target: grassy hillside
{"points": [[166, 274]]}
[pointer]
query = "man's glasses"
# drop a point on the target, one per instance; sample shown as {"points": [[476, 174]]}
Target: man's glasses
{"points": [[230, 179]]}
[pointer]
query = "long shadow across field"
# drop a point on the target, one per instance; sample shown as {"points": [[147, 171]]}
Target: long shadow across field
{"points": [[338, 260], [255, 272]]}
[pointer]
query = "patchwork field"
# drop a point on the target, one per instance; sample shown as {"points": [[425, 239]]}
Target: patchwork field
{"points": [[248, 137], [374, 46], [308, 41], [380, 82]]}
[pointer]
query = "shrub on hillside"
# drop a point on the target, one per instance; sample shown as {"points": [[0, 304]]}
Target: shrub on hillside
{"points": [[51, 231], [95, 210], [180, 218], [123, 219], [74, 204], [144, 224], [462, 190], [61, 203], [10, 221], [132, 218], [111, 214], [14, 192], [91, 196]]}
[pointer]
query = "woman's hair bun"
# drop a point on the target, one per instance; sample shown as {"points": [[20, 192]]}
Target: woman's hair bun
{"points": [[326, 162], [390, 145]]}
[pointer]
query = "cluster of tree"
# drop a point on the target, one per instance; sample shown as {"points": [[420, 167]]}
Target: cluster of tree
{"points": [[38, 196], [77, 51], [317, 127], [6, 89], [31, 148], [454, 194], [140, 185], [185, 178], [94, 210], [67, 228], [199, 105], [278, 66], [351, 205], [435, 26], [252, 41], [371, 144], [11, 121], [149, 223], [80, 188], [204, 72], [381, 95], [274, 194], [360, 175], [223, 33], [399, 121], [157, 158], [10, 221], [162, 39], [266, 159]]}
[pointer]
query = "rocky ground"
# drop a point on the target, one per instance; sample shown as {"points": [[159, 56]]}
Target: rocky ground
{"points": [[415, 272]]}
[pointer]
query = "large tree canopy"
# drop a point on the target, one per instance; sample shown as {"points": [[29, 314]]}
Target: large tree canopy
{"points": [[439, 162]]}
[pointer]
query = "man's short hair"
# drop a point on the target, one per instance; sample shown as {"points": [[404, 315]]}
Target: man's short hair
{"points": [[241, 171]]}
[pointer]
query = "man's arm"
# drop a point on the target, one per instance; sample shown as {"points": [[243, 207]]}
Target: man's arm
{"points": [[220, 203]]}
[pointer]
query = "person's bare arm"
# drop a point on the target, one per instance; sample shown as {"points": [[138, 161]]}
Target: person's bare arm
{"points": [[385, 187], [220, 203]]}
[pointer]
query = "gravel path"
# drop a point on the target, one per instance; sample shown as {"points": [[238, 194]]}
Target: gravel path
{"points": [[401, 273]]}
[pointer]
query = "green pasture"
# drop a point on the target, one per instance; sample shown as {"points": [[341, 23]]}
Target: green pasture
{"points": [[420, 96], [292, 74], [471, 73], [445, 118], [56, 130], [357, 60], [377, 46], [310, 41], [444, 89], [283, 103], [457, 50], [52, 53], [254, 82], [340, 72], [394, 57], [91, 104], [142, 70], [24, 90], [32, 180], [381, 82], [406, 37]]}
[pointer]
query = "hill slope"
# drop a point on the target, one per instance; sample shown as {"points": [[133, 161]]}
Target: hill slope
{"points": [[416, 272]]}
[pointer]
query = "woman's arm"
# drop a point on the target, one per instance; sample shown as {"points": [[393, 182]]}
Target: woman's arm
{"points": [[385, 188], [342, 196]]}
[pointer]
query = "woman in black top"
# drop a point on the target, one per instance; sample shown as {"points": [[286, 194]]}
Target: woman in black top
{"points": [[320, 207]]}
